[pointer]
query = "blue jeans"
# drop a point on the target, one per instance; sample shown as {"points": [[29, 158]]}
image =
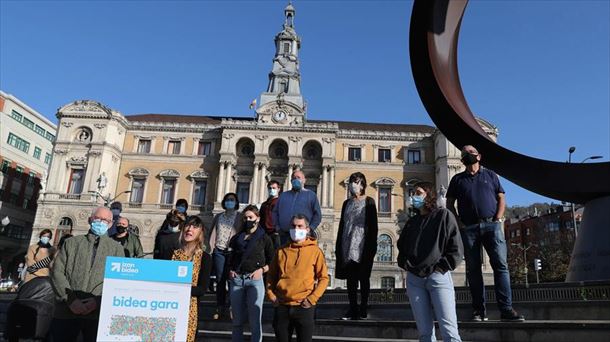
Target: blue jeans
{"points": [[247, 297], [219, 257], [433, 296], [491, 236]]}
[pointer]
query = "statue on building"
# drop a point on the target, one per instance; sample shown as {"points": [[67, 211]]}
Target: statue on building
{"points": [[102, 180], [441, 198]]}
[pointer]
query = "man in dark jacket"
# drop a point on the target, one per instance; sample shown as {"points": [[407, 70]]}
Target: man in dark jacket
{"points": [[267, 212], [130, 242]]}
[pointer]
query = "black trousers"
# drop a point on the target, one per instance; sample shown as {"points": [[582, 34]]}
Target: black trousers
{"points": [[289, 318], [68, 329], [354, 276]]}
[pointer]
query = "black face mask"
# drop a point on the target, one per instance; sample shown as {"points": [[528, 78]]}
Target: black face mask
{"points": [[249, 224], [121, 229], [469, 159]]}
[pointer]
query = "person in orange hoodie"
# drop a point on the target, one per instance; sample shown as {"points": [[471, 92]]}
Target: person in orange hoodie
{"points": [[296, 280]]}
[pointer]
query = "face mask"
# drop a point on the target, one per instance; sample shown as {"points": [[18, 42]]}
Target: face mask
{"points": [[273, 192], [469, 159], [250, 224], [298, 235], [181, 209], [296, 184], [115, 212], [355, 188], [417, 201], [45, 240], [174, 229], [98, 227], [230, 204], [121, 229]]}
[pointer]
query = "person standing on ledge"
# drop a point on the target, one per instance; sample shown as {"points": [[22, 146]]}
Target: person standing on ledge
{"points": [[480, 214]]}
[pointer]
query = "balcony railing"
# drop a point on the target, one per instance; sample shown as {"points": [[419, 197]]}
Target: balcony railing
{"points": [[55, 196]]}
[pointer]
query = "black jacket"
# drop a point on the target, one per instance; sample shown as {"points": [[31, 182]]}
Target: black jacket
{"points": [[370, 241], [166, 243], [261, 255], [430, 241], [204, 276]]}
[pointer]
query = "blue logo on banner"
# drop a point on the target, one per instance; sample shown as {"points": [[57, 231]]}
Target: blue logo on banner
{"points": [[149, 270]]}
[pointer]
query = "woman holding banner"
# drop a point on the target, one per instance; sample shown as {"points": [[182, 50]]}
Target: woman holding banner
{"points": [[191, 242], [251, 252]]}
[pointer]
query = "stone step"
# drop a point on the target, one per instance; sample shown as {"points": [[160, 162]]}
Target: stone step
{"points": [[529, 331], [213, 336], [575, 310]]}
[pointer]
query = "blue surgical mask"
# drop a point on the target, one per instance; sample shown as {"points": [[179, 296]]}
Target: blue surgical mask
{"points": [[417, 201], [230, 204], [273, 192], [45, 240], [181, 209], [296, 184], [115, 212], [99, 227], [298, 235]]}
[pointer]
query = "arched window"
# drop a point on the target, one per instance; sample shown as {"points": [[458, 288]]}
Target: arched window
{"points": [[64, 227], [384, 248]]}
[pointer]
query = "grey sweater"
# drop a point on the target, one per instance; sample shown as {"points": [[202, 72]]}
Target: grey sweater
{"points": [[77, 273]]}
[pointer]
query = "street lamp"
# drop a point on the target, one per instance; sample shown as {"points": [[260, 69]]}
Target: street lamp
{"points": [[524, 249], [592, 157], [570, 151]]}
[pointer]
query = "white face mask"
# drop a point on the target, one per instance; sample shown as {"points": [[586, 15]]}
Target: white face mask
{"points": [[355, 188], [273, 192], [298, 235]]}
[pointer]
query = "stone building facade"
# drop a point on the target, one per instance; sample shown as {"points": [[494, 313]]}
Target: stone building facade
{"points": [[160, 158]]}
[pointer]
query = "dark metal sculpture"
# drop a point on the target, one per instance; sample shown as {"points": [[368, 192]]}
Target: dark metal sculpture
{"points": [[435, 25]]}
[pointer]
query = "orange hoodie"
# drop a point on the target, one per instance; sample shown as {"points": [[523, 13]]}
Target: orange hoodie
{"points": [[297, 272]]}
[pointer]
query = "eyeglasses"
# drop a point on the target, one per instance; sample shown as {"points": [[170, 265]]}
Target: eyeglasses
{"points": [[109, 221]]}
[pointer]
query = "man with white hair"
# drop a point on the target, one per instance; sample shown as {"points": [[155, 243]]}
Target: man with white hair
{"points": [[77, 277]]}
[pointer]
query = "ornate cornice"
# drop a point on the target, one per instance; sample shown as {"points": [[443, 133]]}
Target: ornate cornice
{"points": [[169, 173], [99, 125], [139, 171], [199, 174]]}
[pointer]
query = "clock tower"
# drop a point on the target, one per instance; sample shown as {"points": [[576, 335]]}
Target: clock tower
{"points": [[282, 103]]}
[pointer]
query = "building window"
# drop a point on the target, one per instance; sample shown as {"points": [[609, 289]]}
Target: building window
{"points": [[28, 123], [26, 203], [243, 192], [31, 177], [65, 227], [354, 154], [413, 157], [384, 248], [137, 190], [15, 115], [5, 166], [77, 178], [387, 283], [385, 199], [518, 232], [144, 146], [527, 232], [385, 155], [50, 137], [169, 188], [18, 172], [173, 147], [204, 148], [37, 152], [41, 131], [199, 191], [18, 143], [286, 48], [47, 158]]}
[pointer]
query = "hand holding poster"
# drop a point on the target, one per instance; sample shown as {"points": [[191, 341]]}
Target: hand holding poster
{"points": [[145, 300]]}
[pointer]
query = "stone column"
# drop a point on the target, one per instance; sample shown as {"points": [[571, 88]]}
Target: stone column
{"points": [[254, 185], [325, 192], [221, 180], [331, 202], [288, 178], [228, 177], [263, 184]]}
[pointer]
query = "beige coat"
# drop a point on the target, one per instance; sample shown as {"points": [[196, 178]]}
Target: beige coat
{"points": [[36, 253]]}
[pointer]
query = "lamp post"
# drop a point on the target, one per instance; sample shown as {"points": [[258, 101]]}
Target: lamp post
{"points": [[570, 151], [592, 157], [524, 249]]}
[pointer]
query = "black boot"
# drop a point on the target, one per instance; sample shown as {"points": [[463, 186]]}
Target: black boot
{"points": [[363, 311]]}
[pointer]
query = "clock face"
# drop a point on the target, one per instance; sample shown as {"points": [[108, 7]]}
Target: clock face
{"points": [[279, 116]]}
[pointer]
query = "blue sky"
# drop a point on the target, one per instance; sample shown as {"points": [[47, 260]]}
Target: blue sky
{"points": [[539, 70]]}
